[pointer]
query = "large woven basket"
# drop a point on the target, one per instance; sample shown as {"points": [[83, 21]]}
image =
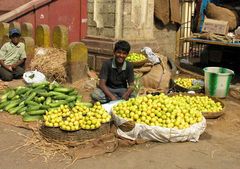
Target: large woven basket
{"points": [[207, 115], [80, 135]]}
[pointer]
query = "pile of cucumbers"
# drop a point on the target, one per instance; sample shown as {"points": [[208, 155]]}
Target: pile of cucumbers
{"points": [[34, 100]]}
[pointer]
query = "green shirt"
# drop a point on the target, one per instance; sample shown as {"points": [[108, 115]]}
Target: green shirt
{"points": [[11, 54]]}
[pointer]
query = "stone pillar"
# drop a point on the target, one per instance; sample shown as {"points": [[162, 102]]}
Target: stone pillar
{"points": [[4, 29], [5, 39], [77, 56], [27, 30], [43, 36], [60, 37], [30, 50], [15, 25]]}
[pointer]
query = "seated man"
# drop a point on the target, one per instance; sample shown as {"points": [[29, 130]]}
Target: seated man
{"points": [[12, 57], [116, 76]]}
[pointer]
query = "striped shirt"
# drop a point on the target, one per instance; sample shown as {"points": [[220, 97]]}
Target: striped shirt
{"points": [[11, 53]]}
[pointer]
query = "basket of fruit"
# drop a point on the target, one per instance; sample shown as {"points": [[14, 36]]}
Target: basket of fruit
{"points": [[137, 59], [186, 84], [210, 107], [79, 123]]}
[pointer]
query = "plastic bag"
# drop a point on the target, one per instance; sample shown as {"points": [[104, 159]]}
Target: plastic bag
{"points": [[151, 55], [34, 77]]}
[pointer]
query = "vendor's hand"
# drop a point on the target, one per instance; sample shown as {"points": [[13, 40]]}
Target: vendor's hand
{"points": [[125, 96], [113, 98], [13, 66], [9, 68]]}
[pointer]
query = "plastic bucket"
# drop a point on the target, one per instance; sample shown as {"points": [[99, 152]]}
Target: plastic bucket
{"points": [[217, 81]]}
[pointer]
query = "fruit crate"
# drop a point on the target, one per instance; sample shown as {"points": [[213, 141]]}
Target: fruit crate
{"points": [[54, 133]]}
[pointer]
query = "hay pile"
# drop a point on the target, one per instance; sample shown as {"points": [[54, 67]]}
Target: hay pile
{"points": [[51, 62]]}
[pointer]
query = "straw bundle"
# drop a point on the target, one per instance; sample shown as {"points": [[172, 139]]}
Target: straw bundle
{"points": [[51, 62]]}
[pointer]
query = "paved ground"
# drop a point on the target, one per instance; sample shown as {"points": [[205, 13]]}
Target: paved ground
{"points": [[218, 148]]}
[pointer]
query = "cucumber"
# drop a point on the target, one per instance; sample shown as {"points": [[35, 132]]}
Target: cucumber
{"points": [[31, 103], [53, 85], [22, 90], [22, 103], [23, 109], [44, 107], [45, 94], [28, 92], [31, 96], [73, 93], [32, 108], [42, 86], [15, 109], [71, 98], [5, 96], [35, 85], [53, 93], [11, 94], [29, 118], [16, 97], [63, 89], [57, 104], [48, 100], [12, 104], [62, 96], [4, 104], [36, 112]]}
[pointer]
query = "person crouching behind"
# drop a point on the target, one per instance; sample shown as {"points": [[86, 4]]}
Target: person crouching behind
{"points": [[12, 57]]}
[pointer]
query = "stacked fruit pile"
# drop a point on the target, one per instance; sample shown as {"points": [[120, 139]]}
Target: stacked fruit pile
{"points": [[135, 57], [171, 112], [81, 116]]}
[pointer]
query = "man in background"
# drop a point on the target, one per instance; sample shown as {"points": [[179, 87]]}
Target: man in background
{"points": [[12, 57]]}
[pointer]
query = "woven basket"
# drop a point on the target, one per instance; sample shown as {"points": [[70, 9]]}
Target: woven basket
{"points": [[178, 88], [140, 63], [80, 135], [207, 115]]}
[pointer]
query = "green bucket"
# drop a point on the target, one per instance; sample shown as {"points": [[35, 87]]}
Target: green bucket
{"points": [[217, 81]]}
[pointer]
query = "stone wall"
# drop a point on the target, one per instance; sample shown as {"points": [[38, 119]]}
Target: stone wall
{"points": [[103, 24], [166, 37]]}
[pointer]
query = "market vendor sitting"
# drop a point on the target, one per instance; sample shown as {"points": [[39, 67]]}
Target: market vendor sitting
{"points": [[116, 76], [12, 57]]}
